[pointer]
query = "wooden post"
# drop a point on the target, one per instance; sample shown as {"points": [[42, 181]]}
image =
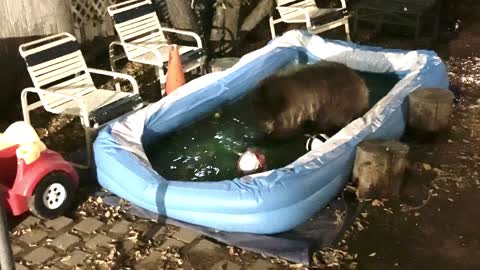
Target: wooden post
{"points": [[379, 167], [429, 109]]}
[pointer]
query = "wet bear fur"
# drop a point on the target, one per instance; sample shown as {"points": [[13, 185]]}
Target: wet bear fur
{"points": [[320, 97]]}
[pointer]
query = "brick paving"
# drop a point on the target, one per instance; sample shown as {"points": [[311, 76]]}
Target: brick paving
{"points": [[94, 243]]}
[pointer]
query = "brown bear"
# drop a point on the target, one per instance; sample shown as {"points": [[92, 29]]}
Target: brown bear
{"points": [[320, 97]]}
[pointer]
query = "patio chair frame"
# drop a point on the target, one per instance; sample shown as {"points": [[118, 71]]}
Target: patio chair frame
{"points": [[63, 82], [140, 33], [307, 11]]}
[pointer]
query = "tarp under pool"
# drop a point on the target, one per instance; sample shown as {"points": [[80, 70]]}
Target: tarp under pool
{"points": [[273, 201]]}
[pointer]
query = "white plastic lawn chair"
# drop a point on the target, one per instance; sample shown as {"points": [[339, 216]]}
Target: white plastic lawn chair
{"points": [[64, 85], [143, 40], [317, 19]]}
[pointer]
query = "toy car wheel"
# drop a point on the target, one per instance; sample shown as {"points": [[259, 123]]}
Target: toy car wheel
{"points": [[52, 196]]}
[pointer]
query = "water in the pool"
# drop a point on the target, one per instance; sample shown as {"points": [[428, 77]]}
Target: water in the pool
{"points": [[209, 149]]}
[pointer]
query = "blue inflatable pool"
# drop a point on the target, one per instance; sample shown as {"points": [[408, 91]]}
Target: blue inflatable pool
{"points": [[273, 201]]}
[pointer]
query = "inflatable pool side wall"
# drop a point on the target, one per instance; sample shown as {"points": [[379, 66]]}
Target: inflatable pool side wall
{"points": [[273, 201]]}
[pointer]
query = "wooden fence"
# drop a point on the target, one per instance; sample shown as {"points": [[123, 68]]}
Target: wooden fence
{"points": [[90, 18], [24, 18]]}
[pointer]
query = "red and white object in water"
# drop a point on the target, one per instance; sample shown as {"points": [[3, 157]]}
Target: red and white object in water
{"points": [[251, 161], [33, 177]]}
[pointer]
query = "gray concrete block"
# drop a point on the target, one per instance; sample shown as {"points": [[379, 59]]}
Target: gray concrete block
{"points": [[262, 264], [20, 267], [39, 255], [121, 227], [186, 235], [98, 240], [29, 221], [16, 249], [77, 257], [226, 265], [65, 240], [33, 237], [172, 243], [155, 233], [88, 225], [151, 262], [204, 246], [58, 223]]}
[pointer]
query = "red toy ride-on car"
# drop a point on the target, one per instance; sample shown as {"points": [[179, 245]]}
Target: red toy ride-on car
{"points": [[33, 177]]}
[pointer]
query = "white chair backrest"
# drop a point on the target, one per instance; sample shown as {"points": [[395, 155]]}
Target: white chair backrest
{"points": [[136, 22], [55, 63], [309, 5], [288, 13]]}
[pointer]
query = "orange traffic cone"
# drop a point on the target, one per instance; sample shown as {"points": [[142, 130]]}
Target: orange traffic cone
{"points": [[175, 76]]}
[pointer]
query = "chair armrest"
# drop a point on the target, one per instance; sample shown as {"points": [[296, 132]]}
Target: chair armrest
{"points": [[25, 106], [117, 74], [51, 93], [187, 33], [154, 51]]}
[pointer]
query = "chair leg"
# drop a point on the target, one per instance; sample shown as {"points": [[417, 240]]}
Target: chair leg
{"points": [[25, 110], [272, 27], [89, 146], [347, 29], [113, 60], [203, 69], [161, 78]]}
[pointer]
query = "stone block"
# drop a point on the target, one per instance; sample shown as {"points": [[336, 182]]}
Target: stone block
{"points": [[186, 235], [20, 267], [77, 257], [140, 227], [39, 255], [52, 268], [226, 265], [204, 246], [29, 221], [64, 241], [172, 243], [58, 223], [155, 233], [121, 227], [33, 237], [16, 250], [88, 225], [262, 264], [151, 262], [128, 245], [98, 240]]}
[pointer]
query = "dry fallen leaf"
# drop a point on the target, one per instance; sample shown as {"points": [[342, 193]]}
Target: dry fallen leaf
{"points": [[377, 203], [427, 167]]}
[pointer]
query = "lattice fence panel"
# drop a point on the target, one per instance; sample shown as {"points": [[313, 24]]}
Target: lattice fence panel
{"points": [[91, 18]]}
